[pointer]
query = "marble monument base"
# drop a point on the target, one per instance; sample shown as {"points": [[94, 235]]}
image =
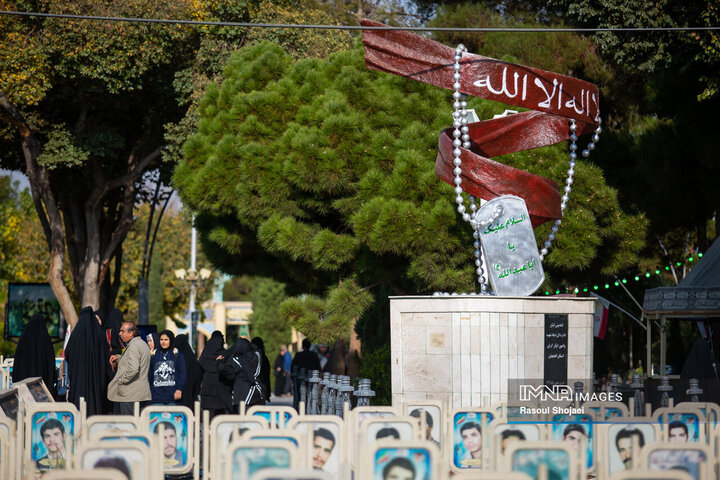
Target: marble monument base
{"points": [[464, 349]]}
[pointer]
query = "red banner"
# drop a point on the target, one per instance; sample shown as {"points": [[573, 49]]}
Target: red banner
{"points": [[553, 98]]}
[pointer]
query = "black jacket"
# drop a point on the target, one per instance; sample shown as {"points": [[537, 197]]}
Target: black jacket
{"points": [[193, 371], [308, 360], [264, 377], [239, 371]]}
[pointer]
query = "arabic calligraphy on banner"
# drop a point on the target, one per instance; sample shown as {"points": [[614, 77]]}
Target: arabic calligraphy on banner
{"points": [[510, 248]]}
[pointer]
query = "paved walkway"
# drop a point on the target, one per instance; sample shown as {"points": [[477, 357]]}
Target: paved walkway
{"points": [[285, 400]]}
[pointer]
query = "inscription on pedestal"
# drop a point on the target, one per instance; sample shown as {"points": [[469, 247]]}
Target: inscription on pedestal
{"points": [[556, 349], [514, 265]]}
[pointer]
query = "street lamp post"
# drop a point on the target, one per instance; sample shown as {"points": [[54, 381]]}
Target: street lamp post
{"points": [[192, 277]]}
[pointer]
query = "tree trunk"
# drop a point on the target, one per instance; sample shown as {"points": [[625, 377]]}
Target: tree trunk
{"points": [[45, 206], [336, 362], [91, 288], [702, 235], [93, 233], [355, 349], [55, 277]]}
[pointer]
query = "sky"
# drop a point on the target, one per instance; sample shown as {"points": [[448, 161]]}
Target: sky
{"points": [[19, 176]]}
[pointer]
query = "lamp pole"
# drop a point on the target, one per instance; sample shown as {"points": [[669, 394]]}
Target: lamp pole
{"points": [[192, 277]]}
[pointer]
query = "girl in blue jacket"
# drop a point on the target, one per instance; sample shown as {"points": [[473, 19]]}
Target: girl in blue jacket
{"points": [[167, 371]]}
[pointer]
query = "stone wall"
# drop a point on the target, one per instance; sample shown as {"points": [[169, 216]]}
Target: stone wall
{"points": [[463, 349]]}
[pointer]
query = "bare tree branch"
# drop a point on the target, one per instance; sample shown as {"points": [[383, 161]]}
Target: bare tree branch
{"points": [[135, 170], [124, 225]]}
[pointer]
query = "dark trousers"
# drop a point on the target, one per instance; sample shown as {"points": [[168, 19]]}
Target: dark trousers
{"points": [[128, 408], [279, 384]]}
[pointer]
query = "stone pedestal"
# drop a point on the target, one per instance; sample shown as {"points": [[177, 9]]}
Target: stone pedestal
{"points": [[463, 349]]}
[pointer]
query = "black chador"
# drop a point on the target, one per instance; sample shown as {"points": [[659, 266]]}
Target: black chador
{"points": [[87, 355], [34, 356]]}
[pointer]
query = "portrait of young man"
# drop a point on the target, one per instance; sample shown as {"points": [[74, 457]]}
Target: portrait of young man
{"points": [[399, 468], [52, 433], [472, 442], [574, 434], [323, 445], [677, 432], [509, 436], [429, 423], [172, 457], [624, 445]]}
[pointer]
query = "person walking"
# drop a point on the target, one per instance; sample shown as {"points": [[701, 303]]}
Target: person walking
{"points": [[130, 383], [287, 365], [210, 394], [306, 359], [167, 372], [264, 377], [193, 372], [239, 370], [280, 377]]}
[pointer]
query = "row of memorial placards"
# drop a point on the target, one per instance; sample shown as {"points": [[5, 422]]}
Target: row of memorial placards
{"points": [[425, 434]]}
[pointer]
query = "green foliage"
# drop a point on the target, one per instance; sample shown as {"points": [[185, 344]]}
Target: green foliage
{"points": [[266, 320], [239, 289], [7, 347], [213, 46], [60, 150], [10, 226], [23, 251], [375, 365], [168, 295], [665, 128], [564, 53], [36, 55], [115, 55], [651, 52], [156, 291], [324, 320], [322, 173]]}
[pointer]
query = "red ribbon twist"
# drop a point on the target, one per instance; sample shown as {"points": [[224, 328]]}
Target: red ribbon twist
{"points": [[553, 99]]}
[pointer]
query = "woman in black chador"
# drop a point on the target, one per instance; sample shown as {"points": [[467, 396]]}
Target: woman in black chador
{"points": [[34, 355], [264, 377], [239, 372], [209, 392], [192, 370], [87, 355]]}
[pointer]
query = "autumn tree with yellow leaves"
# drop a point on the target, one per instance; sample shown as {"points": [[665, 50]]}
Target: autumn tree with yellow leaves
{"points": [[86, 107]]}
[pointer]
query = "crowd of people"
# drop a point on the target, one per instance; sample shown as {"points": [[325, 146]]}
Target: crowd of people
{"points": [[111, 366], [312, 357]]}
